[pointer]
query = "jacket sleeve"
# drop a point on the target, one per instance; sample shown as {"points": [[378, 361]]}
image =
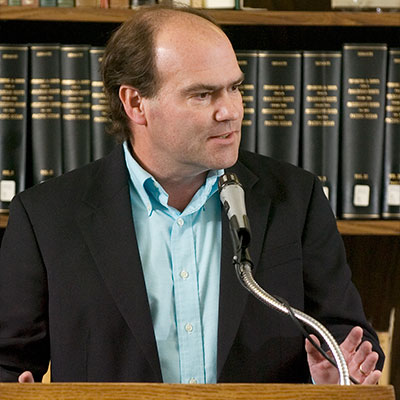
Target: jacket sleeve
{"points": [[330, 295], [24, 342]]}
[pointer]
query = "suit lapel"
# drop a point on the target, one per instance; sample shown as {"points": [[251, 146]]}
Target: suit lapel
{"points": [[107, 225], [233, 296]]}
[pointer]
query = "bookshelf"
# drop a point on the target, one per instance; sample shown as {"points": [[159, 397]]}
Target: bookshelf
{"points": [[224, 17], [346, 228], [373, 247]]}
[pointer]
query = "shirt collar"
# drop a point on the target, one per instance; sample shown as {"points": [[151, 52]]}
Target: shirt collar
{"points": [[152, 193]]}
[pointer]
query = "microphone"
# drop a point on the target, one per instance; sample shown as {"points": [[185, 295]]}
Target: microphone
{"points": [[232, 197]]}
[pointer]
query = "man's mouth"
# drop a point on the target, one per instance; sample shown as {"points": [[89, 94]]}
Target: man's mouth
{"points": [[224, 136]]}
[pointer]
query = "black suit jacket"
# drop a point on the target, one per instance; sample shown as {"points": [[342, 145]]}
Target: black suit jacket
{"points": [[72, 287]]}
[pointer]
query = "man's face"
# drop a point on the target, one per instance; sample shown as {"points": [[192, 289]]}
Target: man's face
{"points": [[194, 122]]}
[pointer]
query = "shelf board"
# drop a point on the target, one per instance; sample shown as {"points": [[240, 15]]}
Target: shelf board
{"points": [[3, 220], [224, 17], [349, 228], [377, 227]]}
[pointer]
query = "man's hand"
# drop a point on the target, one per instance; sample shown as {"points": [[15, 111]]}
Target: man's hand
{"points": [[360, 358], [26, 377]]}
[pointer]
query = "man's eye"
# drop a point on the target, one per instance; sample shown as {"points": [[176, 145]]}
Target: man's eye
{"points": [[203, 95]]}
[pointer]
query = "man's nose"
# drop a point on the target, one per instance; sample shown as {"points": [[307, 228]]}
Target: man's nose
{"points": [[229, 107]]}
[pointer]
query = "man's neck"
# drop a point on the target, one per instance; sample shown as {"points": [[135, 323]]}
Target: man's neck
{"points": [[180, 189]]}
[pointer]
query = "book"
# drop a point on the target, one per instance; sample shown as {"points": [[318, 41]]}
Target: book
{"points": [[320, 124], [219, 4], [278, 104], [30, 3], [391, 174], [138, 3], [119, 4], [248, 62], [363, 102], [85, 3], [102, 143], [46, 133], [65, 3], [48, 3], [13, 121], [75, 102]]}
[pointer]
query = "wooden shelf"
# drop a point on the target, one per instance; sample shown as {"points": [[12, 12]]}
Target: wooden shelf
{"points": [[371, 228], [348, 228], [224, 17]]}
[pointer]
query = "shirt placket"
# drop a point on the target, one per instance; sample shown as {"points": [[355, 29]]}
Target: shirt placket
{"points": [[187, 302]]}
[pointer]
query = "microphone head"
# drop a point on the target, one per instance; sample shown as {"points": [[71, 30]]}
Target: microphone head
{"points": [[228, 179], [232, 198]]}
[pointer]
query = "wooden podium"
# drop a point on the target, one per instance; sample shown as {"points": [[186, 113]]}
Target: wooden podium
{"points": [[156, 391]]}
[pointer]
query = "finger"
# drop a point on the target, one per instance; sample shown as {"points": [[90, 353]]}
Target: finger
{"points": [[352, 341], [313, 354], [368, 365], [372, 378], [362, 353], [26, 377]]}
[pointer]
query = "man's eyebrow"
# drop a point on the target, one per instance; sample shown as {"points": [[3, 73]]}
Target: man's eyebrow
{"points": [[199, 87]]}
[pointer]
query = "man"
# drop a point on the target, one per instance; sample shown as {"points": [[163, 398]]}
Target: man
{"points": [[121, 270]]}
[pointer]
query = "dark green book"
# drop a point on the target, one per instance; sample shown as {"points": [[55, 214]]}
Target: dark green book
{"points": [[321, 112], [102, 143], [248, 61], [65, 3], [48, 3], [46, 133], [391, 180], [76, 103], [363, 114], [13, 121], [278, 104]]}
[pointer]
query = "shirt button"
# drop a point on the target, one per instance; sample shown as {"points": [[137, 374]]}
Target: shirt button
{"points": [[188, 327], [192, 380], [184, 274], [180, 221]]}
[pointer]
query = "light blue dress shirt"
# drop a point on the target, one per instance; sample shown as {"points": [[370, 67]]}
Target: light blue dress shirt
{"points": [[181, 257]]}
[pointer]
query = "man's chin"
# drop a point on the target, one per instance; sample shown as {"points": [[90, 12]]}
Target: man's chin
{"points": [[225, 163]]}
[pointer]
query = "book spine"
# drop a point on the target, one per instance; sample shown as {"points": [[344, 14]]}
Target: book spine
{"points": [[227, 4], [391, 180], [363, 101], [120, 4], [321, 112], [30, 3], [278, 104], [75, 102], [48, 3], [248, 62], [46, 134], [85, 3], [13, 121], [102, 143], [14, 2], [196, 3], [65, 3], [138, 3]]}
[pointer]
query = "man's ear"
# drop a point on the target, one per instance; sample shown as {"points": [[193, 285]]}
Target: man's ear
{"points": [[133, 105]]}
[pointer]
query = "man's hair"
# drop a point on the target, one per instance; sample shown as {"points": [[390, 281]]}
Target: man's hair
{"points": [[129, 59]]}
